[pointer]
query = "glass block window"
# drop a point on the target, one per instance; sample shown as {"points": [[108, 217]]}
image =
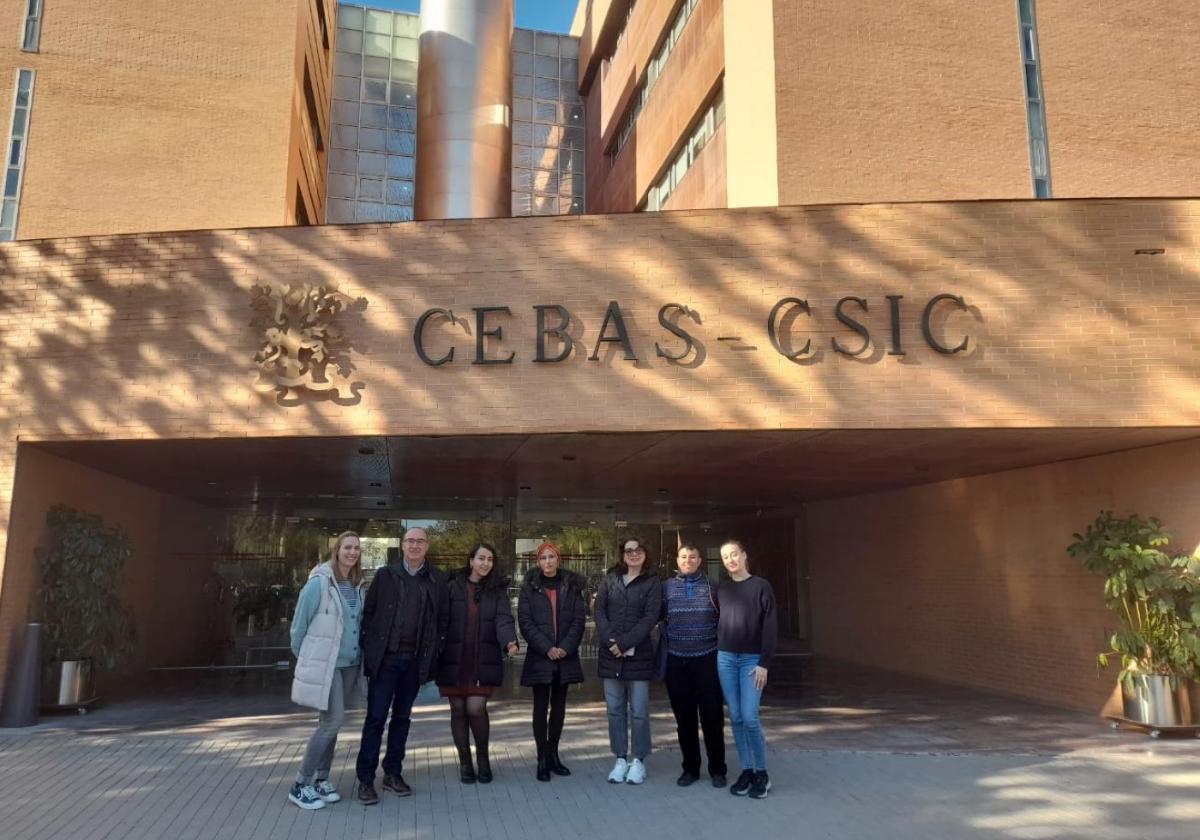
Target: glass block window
{"points": [[373, 139], [695, 141], [33, 26], [18, 136], [1035, 100], [548, 125]]}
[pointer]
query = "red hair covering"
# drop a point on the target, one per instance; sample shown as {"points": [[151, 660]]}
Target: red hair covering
{"points": [[547, 544]]}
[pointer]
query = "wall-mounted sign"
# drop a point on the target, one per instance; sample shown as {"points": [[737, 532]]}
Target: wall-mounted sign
{"points": [[552, 343], [306, 342]]}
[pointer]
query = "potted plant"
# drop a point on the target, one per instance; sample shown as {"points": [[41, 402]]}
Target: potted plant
{"points": [[1156, 595], [85, 623]]}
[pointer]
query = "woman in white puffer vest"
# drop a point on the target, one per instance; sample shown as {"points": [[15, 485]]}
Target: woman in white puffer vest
{"points": [[325, 632]]}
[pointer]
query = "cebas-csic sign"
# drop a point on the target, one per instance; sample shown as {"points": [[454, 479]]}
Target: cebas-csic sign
{"points": [[553, 320]]}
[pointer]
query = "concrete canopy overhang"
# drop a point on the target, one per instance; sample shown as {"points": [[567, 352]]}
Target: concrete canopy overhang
{"points": [[667, 477]]}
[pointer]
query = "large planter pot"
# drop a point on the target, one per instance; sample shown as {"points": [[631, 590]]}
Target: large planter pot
{"points": [[1156, 700], [68, 684]]}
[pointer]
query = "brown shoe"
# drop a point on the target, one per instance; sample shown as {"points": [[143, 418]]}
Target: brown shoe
{"points": [[397, 785], [367, 794]]}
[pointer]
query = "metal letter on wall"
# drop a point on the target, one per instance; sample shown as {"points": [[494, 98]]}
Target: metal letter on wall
{"points": [[305, 342]]}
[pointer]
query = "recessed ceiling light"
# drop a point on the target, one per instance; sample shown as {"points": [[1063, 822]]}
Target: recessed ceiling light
{"points": [[376, 483], [526, 487], [568, 457], [662, 490], [366, 450]]}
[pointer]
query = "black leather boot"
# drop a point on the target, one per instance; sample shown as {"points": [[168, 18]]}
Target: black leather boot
{"points": [[466, 771], [543, 768], [555, 763], [483, 765]]}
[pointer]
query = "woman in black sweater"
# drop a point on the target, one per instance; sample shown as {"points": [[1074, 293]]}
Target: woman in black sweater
{"points": [[747, 631], [551, 613], [479, 634]]}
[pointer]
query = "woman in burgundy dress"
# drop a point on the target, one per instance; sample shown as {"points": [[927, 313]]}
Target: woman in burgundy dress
{"points": [[480, 633]]}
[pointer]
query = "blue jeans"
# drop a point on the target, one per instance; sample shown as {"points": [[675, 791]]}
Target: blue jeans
{"points": [[394, 687], [628, 701], [736, 672]]}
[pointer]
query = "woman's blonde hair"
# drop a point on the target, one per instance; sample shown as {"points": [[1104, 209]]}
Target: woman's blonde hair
{"points": [[356, 572]]}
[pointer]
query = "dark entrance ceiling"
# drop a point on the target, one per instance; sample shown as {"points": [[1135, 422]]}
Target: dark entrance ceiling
{"points": [[650, 477]]}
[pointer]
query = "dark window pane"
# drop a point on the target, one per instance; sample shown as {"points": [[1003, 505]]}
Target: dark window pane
{"points": [[400, 166], [1031, 82], [401, 143]]}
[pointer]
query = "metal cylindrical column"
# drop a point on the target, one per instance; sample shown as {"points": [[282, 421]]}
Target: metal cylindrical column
{"points": [[464, 110]]}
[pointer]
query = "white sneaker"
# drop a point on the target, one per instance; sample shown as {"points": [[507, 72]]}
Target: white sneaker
{"points": [[326, 791], [305, 797], [637, 772], [619, 771]]}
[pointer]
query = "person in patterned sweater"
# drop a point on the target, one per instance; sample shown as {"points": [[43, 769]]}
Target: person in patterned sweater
{"points": [[690, 634]]}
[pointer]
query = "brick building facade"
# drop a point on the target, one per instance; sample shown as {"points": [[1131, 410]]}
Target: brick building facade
{"points": [[1077, 346]]}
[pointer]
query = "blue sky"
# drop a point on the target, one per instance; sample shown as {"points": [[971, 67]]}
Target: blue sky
{"points": [[548, 15]]}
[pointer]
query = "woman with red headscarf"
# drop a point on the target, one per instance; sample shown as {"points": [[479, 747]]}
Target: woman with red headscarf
{"points": [[551, 613]]}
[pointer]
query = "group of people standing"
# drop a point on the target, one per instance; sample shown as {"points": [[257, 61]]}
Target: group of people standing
{"points": [[415, 624]]}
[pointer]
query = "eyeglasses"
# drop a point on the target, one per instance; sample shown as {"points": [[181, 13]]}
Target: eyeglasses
{"points": [[637, 550]]}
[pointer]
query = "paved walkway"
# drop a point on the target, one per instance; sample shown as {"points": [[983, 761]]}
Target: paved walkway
{"points": [[855, 768]]}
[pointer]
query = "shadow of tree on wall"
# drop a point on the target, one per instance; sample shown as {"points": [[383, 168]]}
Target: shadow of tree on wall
{"points": [[147, 336]]}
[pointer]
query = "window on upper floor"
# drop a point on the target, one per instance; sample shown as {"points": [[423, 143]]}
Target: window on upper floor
{"points": [[654, 69], [1035, 100], [18, 137], [32, 33], [695, 140]]}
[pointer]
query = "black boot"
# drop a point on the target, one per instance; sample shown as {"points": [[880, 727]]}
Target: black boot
{"points": [[485, 767], [466, 771], [543, 768], [554, 763]]}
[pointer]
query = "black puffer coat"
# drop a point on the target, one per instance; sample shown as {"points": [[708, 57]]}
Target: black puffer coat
{"points": [[537, 626], [627, 615], [384, 597], [496, 630]]}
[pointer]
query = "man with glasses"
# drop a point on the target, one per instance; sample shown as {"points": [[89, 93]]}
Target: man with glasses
{"points": [[403, 627]]}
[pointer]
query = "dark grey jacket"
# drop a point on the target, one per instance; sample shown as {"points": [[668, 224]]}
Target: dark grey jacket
{"points": [[537, 626], [384, 598], [627, 615], [496, 630]]}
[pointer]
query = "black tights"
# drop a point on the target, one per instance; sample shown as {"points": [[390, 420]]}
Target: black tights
{"points": [[552, 698], [469, 716]]}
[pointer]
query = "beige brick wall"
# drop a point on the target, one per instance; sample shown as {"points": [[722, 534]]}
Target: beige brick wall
{"points": [[969, 581], [145, 336], [149, 116], [1122, 87], [908, 101]]}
